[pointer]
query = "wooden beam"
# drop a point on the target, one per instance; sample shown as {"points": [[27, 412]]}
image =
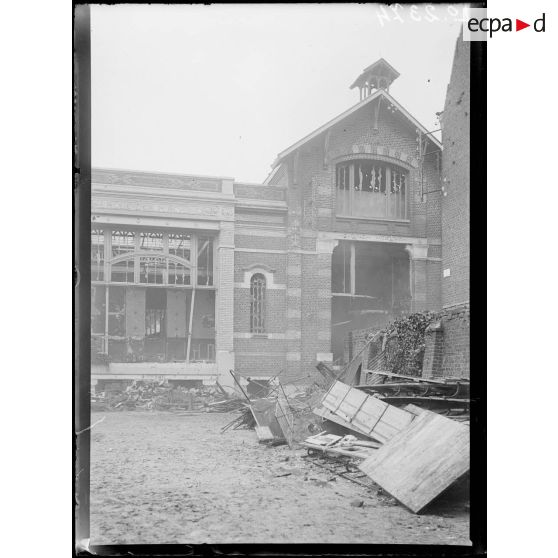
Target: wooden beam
{"points": [[241, 389], [353, 266], [410, 378], [190, 321]]}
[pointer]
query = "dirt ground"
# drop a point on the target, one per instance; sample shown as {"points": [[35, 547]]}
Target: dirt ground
{"points": [[158, 477]]}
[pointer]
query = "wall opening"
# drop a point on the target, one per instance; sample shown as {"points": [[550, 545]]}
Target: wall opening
{"points": [[370, 286], [152, 296]]}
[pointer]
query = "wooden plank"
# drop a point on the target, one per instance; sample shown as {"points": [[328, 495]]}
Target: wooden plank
{"points": [[264, 414], [323, 439], [393, 421], [420, 462], [334, 397], [361, 453], [285, 418], [410, 378], [370, 415], [414, 409], [328, 415], [264, 433], [351, 404]]}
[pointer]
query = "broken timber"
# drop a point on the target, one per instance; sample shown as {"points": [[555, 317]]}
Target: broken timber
{"points": [[367, 414], [422, 461]]}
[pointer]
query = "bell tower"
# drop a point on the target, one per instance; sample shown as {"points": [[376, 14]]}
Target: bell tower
{"points": [[379, 75]]}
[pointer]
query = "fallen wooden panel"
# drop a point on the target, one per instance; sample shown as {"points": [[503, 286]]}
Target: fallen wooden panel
{"points": [[351, 404], [264, 415], [335, 395], [382, 420], [420, 462], [285, 419], [264, 434], [366, 413], [328, 415]]}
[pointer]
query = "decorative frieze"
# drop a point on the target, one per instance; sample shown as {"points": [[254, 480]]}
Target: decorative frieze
{"points": [[191, 209]]}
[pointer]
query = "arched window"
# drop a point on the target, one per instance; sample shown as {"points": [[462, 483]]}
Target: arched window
{"points": [[371, 189], [257, 303]]}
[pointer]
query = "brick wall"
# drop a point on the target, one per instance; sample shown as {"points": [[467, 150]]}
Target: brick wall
{"points": [[447, 341], [455, 173], [446, 344], [302, 311], [456, 324]]}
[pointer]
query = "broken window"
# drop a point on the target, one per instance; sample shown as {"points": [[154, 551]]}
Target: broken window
{"points": [[97, 255], [179, 246], [98, 305], [205, 260], [117, 312], [151, 241], [122, 242], [257, 303], [372, 189], [155, 308], [202, 327], [151, 269], [134, 257], [131, 320]]}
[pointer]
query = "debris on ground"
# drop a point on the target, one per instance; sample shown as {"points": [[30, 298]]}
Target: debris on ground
{"points": [[162, 396], [405, 437]]}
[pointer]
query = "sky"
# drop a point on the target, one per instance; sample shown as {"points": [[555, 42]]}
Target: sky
{"points": [[220, 90]]}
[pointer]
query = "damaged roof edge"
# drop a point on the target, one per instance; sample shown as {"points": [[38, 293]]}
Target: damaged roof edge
{"points": [[347, 113]]}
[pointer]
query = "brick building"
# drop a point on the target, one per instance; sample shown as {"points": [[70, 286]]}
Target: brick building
{"points": [[193, 276], [447, 351]]}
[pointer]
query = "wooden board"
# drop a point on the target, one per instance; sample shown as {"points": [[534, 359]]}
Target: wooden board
{"points": [[285, 419], [420, 462], [335, 395], [328, 415], [264, 415], [361, 453], [366, 413], [264, 433]]}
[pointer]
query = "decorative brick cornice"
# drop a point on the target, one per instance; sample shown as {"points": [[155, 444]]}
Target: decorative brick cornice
{"points": [[154, 180], [146, 207]]}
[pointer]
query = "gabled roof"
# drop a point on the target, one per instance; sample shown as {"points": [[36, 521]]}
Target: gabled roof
{"points": [[381, 66], [378, 93]]}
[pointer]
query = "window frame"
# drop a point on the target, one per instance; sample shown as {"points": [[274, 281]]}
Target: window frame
{"points": [[258, 288], [390, 175], [169, 265]]}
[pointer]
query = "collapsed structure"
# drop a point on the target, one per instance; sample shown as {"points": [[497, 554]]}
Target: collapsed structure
{"points": [[195, 276]]}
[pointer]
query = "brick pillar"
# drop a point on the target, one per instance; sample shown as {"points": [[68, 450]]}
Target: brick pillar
{"points": [[324, 249], [293, 334], [418, 276], [434, 350], [224, 342]]}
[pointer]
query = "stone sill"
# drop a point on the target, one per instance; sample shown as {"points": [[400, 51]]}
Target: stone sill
{"points": [[372, 219]]}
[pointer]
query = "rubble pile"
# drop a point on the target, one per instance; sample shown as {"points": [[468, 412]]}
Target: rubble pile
{"points": [[161, 396], [405, 436]]}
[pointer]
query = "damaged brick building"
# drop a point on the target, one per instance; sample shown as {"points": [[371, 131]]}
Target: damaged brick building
{"points": [[193, 276], [447, 340]]}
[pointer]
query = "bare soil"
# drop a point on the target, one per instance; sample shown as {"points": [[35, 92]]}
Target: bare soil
{"points": [[158, 477]]}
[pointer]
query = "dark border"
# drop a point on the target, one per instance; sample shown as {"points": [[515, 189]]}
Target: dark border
{"points": [[478, 331], [81, 408], [81, 355]]}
